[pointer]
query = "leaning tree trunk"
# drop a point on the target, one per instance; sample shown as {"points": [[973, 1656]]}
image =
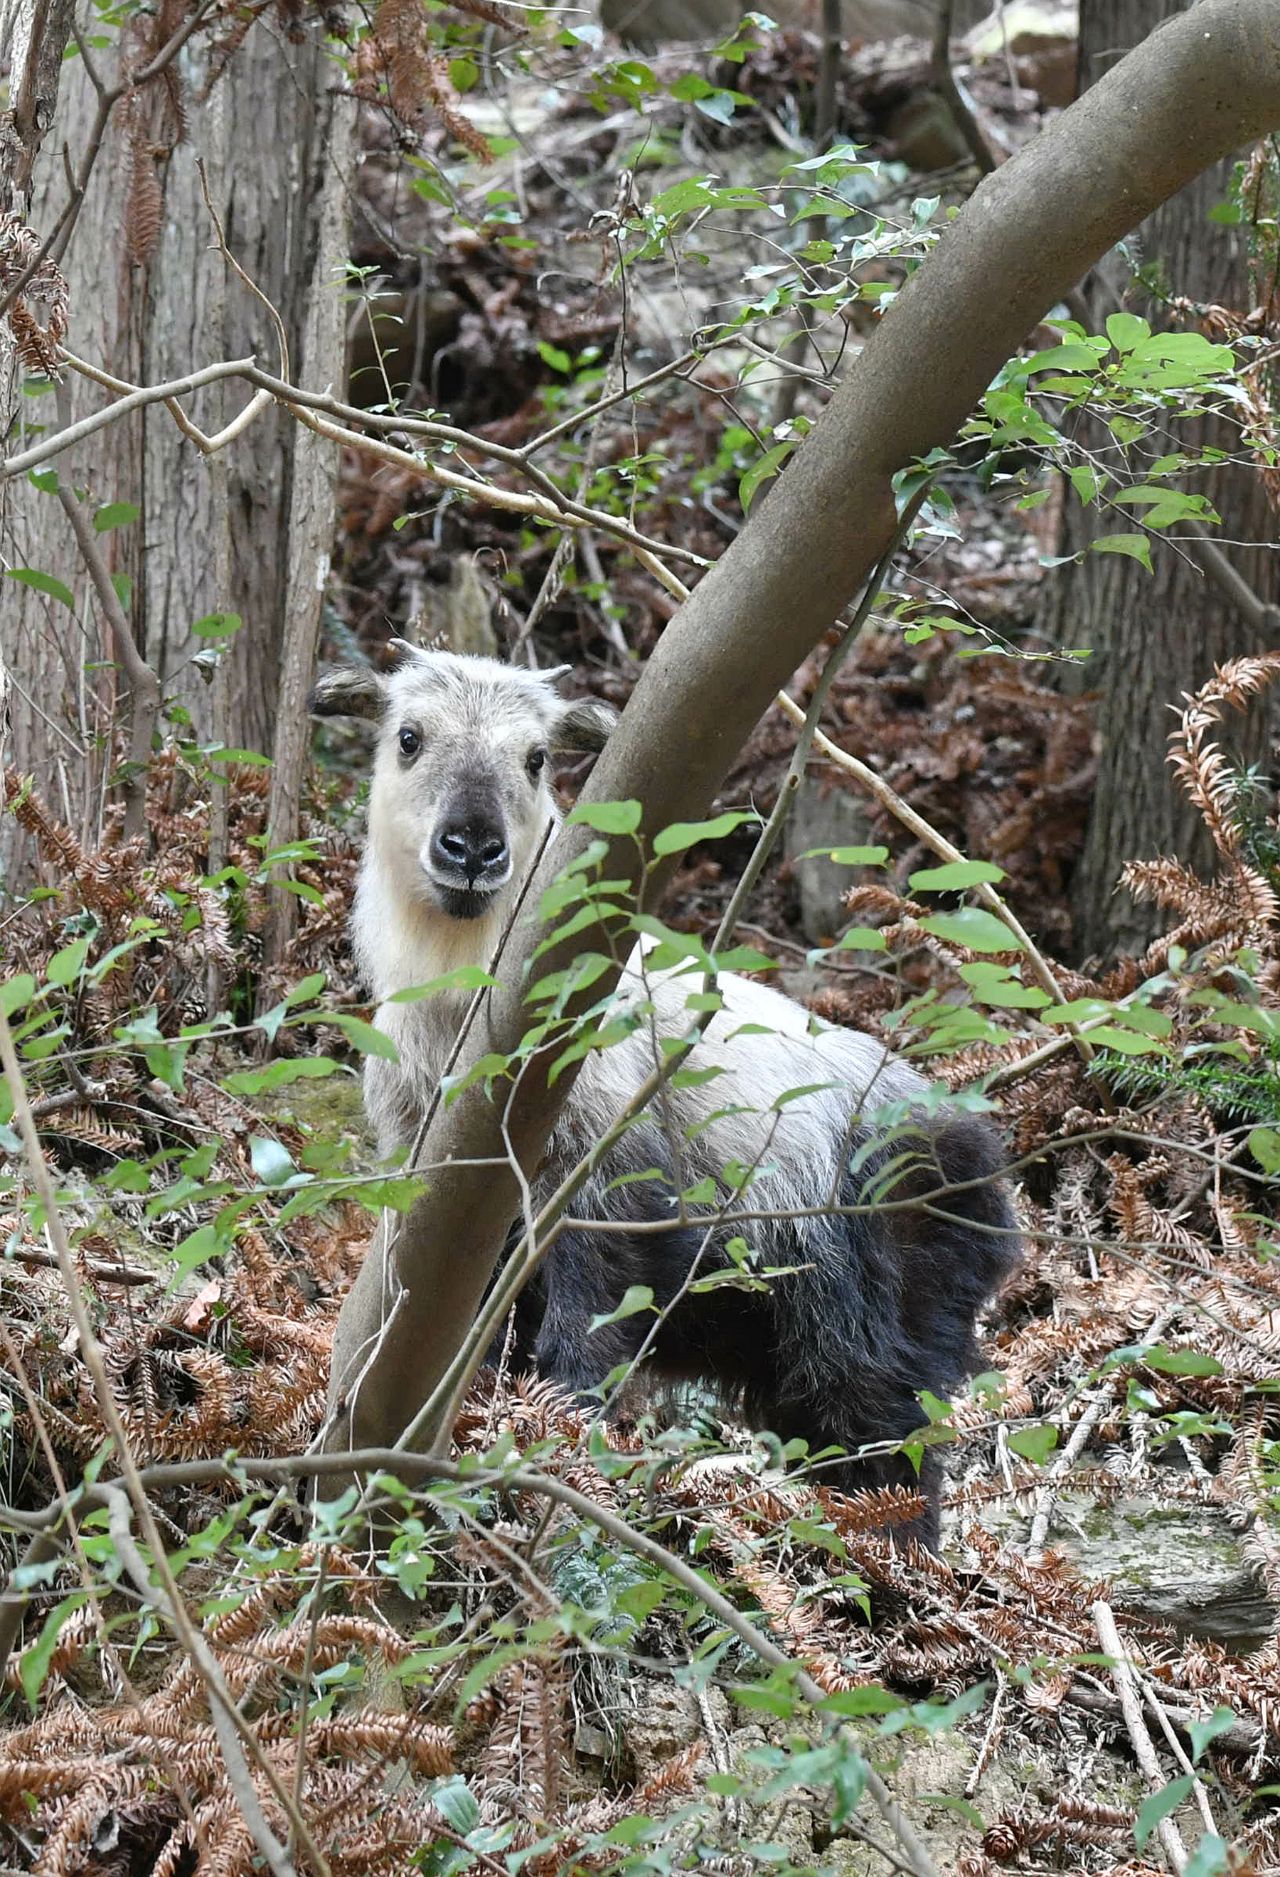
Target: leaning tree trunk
{"points": [[151, 298], [1155, 636]]}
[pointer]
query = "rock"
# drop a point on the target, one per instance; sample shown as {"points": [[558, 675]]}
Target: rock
{"points": [[1179, 1564], [666, 1719], [924, 1773]]}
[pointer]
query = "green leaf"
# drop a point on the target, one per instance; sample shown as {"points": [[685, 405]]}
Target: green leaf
{"points": [[1127, 1042], [1034, 1443], [34, 1662], [952, 1802], [606, 817], [1136, 546], [43, 583], [972, 927], [1081, 355], [16, 993], [1126, 330], [196, 1249], [217, 625], [464, 978], [768, 465], [1264, 1145], [956, 875], [1201, 1733], [1181, 1361], [363, 1036], [642, 1599], [278, 1074], [638, 1297], [271, 1161], [685, 834], [1210, 1857], [848, 856], [1158, 1805], [66, 965], [456, 1804], [115, 515], [859, 938], [998, 986], [850, 1703]]}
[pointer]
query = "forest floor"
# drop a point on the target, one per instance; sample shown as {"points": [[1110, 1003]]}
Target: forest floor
{"points": [[1117, 1460]]}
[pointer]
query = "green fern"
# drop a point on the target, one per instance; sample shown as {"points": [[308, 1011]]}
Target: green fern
{"points": [[1231, 1091]]}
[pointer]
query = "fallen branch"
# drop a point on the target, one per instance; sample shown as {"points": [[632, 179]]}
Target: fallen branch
{"points": [[1129, 1691]]}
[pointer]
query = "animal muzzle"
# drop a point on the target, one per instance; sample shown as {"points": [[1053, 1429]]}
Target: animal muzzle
{"points": [[467, 861]]}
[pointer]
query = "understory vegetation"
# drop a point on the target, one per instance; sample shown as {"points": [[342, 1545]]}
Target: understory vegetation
{"points": [[650, 1640]]}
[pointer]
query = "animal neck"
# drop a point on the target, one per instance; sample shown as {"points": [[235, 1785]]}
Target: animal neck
{"points": [[403, 940]]}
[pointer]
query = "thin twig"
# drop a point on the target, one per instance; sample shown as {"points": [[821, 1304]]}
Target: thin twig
{"points": [[135, 399], [1258, 614]]}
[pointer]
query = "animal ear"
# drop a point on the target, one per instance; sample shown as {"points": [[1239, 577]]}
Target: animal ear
{"points": [[348, 691], [584, 724]]}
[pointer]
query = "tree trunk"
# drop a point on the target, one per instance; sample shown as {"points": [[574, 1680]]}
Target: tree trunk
{"points": [[1154, 637], [151, 299], [1030, 232]]}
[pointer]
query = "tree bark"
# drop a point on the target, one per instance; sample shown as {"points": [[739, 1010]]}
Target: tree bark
{"points": [[1154, 636], [1193, 92], [241, 534]]}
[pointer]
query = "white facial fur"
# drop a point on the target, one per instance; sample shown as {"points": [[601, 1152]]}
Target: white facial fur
{"points": [[478, 724]]}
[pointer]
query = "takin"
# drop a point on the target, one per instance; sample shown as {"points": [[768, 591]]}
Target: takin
{"points": [[874, 1306]]}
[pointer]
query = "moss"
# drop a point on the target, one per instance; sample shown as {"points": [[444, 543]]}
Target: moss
{"points": [[330, 1107]]}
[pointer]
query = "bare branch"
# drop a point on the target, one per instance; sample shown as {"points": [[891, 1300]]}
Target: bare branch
{"points": [[1126, 1684]]}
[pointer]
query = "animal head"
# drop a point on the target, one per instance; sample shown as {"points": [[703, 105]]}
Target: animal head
{"points": [[460, 796]]}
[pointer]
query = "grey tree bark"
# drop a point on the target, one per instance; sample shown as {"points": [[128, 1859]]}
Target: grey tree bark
{"points": [[1154, 636], [1194, 91], [151, 298]]}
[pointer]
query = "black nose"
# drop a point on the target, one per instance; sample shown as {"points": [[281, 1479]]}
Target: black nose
{"points": [[477, 850]]}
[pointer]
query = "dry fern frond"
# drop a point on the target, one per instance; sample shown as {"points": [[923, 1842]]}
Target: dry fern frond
{"points": [[397, 61], [35, 341], [1198, 763]]}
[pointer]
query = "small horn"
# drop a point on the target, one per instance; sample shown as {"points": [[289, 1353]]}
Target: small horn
{"points": [[402, 651], [554, 673]]}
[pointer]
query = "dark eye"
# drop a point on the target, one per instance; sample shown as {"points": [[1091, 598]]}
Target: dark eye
{"points": [[534, 762], [410, 741]]}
